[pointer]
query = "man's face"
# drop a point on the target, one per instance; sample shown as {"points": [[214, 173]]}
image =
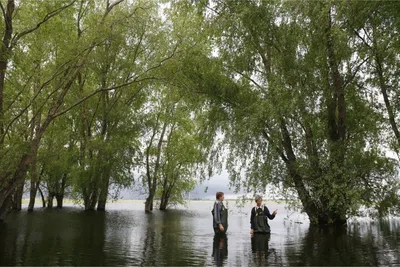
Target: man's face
{"points": [[222, 198], [259, 202]]}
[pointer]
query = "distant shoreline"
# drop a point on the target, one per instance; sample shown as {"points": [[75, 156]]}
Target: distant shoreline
{"points": [[38, 201]]}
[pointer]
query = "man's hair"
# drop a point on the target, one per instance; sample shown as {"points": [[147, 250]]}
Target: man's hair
{"points": [[218, 195], [257, 198]]}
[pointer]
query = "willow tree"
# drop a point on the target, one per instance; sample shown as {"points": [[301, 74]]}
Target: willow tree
{"points": [[176, 142], [110, 123], [375, 26], [17, 151], [75, 35], [174, 154], [183, 157], [298, 118]]}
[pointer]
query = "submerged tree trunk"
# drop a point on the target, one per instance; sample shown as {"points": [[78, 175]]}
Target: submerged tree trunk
{"points": [[101, 205], [34, 185], [152, 177], [18, 178], [5, 208], [164, 197], [91, 198], [164, 203], [148, 205], [17, 198], [167, 189], [60, 191], [32, 195], [59, 198], [50, 199], [92, 202], [43, 199]]}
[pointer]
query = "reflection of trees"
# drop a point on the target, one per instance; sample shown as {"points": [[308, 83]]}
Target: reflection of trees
{"points": [[149, 251], [220, 249], [8, 240], [169, 241], [359, 244], [54, 237], [89, 245], [390, 241]]}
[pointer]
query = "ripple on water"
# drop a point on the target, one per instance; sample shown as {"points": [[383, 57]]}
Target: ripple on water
{"points": [[125, 235]]}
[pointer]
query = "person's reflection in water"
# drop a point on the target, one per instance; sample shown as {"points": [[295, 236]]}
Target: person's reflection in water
{"points": [[260, 247], [220, 249]]}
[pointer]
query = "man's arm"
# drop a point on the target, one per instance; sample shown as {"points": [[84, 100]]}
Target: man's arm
{"points": [[217, 213], [252, 219], [268, 214]]}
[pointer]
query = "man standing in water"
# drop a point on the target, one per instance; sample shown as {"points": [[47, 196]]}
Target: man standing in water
{"points": [[220, 215], [259, 217]]}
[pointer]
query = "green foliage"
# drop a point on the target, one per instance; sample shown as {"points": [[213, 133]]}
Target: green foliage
{"points": [[177, 88]]}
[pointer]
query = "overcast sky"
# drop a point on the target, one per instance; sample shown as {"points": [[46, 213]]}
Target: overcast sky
{"points": [[213, 185]]}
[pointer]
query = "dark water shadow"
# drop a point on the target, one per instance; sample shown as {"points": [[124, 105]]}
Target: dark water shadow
{"points": [[359, 244], [220, 249], [169, 240], [52, 237], [262, 254]]}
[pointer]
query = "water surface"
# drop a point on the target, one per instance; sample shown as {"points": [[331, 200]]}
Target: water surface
{"points": [[125, 235]]}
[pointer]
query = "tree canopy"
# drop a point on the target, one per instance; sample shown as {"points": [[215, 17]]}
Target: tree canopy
{"points": [[300, 95]]}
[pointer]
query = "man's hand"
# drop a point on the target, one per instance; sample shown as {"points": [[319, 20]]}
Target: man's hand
{"points": [[221, 228], [251, 232], [275, 212]]}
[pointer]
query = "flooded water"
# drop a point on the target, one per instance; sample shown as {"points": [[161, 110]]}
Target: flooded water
{"points": [[125, 235]]}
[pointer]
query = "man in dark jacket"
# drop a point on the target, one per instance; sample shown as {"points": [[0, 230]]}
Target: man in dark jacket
{"points": [[259, 217], [220, 215]]}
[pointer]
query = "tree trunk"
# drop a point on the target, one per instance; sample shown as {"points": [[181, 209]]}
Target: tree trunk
{"points": [[60, 199], [383, 87], [164, 203], [17, 198], [60, 191], [101, 205], [164, 198], [32, 195], [167, 189], [148, 205], [43, 199], [34, 186], [18, 178], [152, 179], [91, 200], [5, 208], [50, 200], [5, 50]]}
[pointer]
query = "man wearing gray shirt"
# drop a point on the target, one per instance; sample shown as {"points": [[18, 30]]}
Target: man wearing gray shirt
{"points": [[220, 215]]}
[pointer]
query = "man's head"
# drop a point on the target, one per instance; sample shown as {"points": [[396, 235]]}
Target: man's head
{"points": [[219, 196], [258, 200]]}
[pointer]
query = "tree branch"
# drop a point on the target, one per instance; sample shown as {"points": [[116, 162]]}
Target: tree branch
{"points": [[2, 10], [110, 7], [351, 76], [46, 18]]}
